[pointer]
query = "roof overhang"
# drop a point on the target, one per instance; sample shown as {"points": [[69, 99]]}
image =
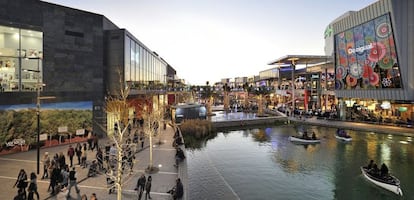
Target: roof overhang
{"points": [[300, 60]]}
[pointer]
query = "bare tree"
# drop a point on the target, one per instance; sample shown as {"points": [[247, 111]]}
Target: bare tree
{"points": [[118, 107], [152, 120]]}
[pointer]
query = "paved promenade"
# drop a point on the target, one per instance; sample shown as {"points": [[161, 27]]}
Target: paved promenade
{"points": [[162, 181], [361, 126]]}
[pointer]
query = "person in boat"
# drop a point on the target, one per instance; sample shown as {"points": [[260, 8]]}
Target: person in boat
{"points": [[384, 170], [339, 132], [313, 136], [305, 135], [370, 164], [374, 170]]}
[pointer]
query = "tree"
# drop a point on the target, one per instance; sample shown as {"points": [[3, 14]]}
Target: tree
{"points": [[152, 120], [226, 99], [247, 88], [118, 107], [260, 91]]}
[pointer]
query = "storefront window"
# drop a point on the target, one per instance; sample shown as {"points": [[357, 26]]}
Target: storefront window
{"points": [[127, 72], [21, 53], [366, 57]]}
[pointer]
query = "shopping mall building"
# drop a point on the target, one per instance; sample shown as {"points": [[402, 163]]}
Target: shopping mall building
{"points": [[373, 52], [77, 56]]}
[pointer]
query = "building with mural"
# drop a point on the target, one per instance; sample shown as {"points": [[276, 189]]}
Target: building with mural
{"points": [[373, 62], [75, 56]]}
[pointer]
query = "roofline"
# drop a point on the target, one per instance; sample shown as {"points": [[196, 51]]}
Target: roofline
{"points": [[297, 58]]}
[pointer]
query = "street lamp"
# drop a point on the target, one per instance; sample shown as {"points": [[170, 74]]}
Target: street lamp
{"points": [[293, 84], [38, 98]]}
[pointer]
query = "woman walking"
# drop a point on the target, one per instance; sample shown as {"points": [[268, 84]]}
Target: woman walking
{"points": [[33, 186], [21, 183], [148, 187]]}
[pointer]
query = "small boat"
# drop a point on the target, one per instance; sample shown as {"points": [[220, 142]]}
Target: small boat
{"points": [[390, 183], [345, 139], [303, 140], [343, 136]]}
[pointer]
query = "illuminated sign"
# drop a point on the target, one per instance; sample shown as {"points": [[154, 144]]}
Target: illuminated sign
{"points": [[366, 56], [360, 49]]}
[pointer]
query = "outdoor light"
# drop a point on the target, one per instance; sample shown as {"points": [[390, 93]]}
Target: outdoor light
{"points": [[38, 98]]}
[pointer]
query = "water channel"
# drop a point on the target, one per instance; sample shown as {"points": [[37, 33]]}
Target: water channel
{"points": [[261, 163]]}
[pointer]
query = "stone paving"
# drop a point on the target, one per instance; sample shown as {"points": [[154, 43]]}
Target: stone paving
{"points": [[162, 181]]}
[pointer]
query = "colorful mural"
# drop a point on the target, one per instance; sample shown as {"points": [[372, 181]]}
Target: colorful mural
{"points": [[366, 57]]}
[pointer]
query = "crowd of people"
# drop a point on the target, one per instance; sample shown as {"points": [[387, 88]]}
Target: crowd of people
{"points": [[61, 171]]}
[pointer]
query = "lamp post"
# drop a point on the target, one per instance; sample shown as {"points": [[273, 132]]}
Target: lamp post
{"points": [[37, 108], [38, 98], [293, 84]]}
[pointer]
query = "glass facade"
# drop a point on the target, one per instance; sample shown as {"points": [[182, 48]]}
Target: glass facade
{"points": [[21, 52], [143, 69], [366, 57]]}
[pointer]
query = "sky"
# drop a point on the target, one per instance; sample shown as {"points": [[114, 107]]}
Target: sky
{"points": [[208, 40]]}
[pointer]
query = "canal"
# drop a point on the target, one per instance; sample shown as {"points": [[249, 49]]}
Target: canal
{"points": [[261, 163]]}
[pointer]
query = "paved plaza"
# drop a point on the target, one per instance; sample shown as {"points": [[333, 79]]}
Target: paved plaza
{"points": [[162, 181]]}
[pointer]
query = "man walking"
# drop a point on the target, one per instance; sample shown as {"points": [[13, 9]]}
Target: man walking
{"points": [[71, 153], [140, 186], [72, 182]]}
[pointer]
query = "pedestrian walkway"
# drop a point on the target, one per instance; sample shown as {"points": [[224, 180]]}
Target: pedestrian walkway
{"points": [[361, 126], [162, 181]]}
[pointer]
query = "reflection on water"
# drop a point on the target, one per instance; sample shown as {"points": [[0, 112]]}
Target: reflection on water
{"points": [[263, 164]]}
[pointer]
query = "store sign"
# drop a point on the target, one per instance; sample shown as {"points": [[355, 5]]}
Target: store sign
{"points": [[402, 109], [43, 137], [360, 49], [63, 129], [386, 105], [15, 142], [80, 132]]}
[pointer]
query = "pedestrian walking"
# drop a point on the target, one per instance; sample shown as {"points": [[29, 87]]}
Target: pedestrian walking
{"points": [[78, 150], [142, 139], [84, 158], [140, 186], [21, 183], [46, 165], [72, 182], [148, 188], [54, 178], [33, 187], [71, 153], [95, 142]]}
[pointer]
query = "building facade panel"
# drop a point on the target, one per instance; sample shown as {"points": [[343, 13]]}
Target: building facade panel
{"points": [[79, 55], [377, 12]]}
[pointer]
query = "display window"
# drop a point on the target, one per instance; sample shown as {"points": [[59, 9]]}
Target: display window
{"points": [[366, 57], [21, 53]]}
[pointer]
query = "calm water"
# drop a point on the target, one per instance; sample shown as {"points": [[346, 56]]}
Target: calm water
{"points": [[263, 164]]}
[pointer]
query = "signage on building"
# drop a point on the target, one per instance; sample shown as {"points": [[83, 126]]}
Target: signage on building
{"points": [[14, 142], [62, 129], [43, 137], [80, 132]]}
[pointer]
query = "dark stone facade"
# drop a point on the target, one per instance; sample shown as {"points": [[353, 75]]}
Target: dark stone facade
{"points": [[73, 52]]}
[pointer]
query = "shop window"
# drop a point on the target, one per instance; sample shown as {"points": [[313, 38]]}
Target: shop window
{"points": [[20, 59]]}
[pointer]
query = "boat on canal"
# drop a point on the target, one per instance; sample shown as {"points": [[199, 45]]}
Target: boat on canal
{"points": [[388, 182], [342, 135], [302, 140]]}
